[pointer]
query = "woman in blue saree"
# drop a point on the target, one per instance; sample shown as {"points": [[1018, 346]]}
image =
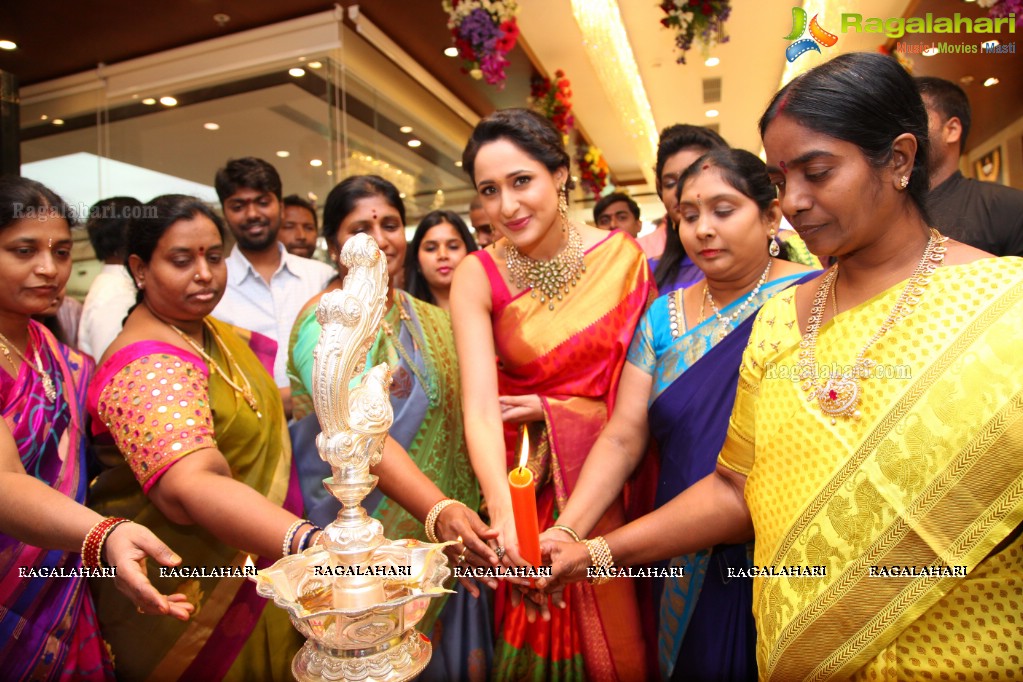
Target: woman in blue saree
{"points": [[679, 386]]}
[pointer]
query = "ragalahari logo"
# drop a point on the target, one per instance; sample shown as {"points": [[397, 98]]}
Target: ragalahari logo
{"points": [[818, 36]]}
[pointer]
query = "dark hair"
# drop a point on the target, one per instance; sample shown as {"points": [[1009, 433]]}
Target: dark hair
{"points": [[949, 100], [744, 171], [108, 225], [342, 199], [527, 130], [248, 173], [144, 233], [22, 198], [614, 198], [674, 139], [415, 283], [295, 200], [866, 99]]}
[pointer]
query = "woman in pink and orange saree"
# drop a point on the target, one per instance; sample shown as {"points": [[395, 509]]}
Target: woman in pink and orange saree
{"points": [[543, 320]]}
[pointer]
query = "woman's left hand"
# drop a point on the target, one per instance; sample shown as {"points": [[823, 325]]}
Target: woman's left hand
{"points": [[127, 547], [568, 562], [521, 408], [458, 521]]}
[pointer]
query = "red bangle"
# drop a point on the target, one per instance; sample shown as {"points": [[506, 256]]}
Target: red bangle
{"points": [[92, 546]]}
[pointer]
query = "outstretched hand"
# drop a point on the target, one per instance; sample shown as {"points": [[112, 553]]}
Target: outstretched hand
{"points": [[568, 562], [458, 521], [127, 547]]}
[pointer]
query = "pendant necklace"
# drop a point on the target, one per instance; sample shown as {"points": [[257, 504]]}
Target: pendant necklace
{"points": [[48, 388], [245, 390], [727, 324]]}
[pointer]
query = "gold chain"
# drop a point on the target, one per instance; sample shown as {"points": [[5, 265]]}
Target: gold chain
{"points": [[554, 278], [840, 394], [726, 324], [246, 390], [427, 382], [48, 387]]}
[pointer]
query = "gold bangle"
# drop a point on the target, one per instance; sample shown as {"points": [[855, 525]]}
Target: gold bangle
{"points": [[431, 519], [566, 529], [600, 558]]}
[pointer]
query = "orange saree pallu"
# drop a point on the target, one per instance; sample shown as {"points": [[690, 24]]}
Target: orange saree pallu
{"points": [[572, 358]]}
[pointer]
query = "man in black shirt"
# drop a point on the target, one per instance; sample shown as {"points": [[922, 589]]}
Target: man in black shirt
{"points": [[986, 215]]}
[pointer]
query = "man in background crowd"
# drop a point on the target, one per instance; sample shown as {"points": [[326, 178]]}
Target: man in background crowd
{"points": [[299, 229], [986, 215], [484, 231], [266, 285], [617, 211]]}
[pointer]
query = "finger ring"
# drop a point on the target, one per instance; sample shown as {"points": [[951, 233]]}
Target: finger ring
{"points": [[499, 551], [461, 558]]}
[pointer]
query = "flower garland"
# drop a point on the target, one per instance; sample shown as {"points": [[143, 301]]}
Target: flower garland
{"points": [[552, 99], [593, 169], [484, 31], [696, 20]]}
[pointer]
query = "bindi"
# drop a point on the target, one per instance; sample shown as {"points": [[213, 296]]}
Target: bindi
{"points": [[784, 168], [374, 215]]}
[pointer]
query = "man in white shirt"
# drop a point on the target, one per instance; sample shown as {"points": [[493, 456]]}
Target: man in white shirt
{"points": [[266, 285], [112, 294]]}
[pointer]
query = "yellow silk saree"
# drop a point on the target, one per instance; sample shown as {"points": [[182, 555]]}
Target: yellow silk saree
{"points": [[929, 482]]}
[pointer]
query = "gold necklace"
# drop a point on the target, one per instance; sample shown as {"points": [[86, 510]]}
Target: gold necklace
{"points": [[726, 324], [840, 394], [48, 388], [246, 390], [555, 277], [428, 382]]}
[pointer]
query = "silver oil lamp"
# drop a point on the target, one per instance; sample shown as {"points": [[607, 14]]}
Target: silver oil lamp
{"points": [[356, 597]]}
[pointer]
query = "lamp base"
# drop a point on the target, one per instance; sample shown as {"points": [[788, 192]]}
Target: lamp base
{"points": [[397, 660]]}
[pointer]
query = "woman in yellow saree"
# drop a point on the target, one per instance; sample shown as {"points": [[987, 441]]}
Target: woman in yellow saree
{"points": [[875, 444]]}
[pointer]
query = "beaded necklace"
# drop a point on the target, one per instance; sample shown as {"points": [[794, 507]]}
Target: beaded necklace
{"points": [[726, 324]]}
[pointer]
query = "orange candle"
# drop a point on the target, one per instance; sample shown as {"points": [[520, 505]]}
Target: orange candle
{"points": [[523, 497]]}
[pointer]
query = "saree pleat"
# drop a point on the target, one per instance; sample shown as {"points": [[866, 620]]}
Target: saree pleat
{"points": [[229, 635], [929, 478], [48, 627], [572, 357]]}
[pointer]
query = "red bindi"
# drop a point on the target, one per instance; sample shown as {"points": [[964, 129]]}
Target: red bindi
{"points": [[374, 215], [706, 166], [784, 168]]}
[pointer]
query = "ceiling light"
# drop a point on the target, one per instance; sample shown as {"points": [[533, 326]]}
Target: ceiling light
{"points": [[966, 80], [168, 101], [296, 72], [315, 163], [402, 195], [990, 81], [211, 126], [406, 129], [712, 113], [8, 45], [450, 51], [283, 154], [44, 117], [930, 52], [330, 172], [414, 142], [149, 101], [989, 44], [458, 164], [58, 121], [315, 65], [712, 61]]}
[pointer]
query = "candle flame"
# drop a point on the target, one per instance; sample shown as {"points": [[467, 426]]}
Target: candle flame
{"points": [[248, 562], [524, 454], [459, 538]]}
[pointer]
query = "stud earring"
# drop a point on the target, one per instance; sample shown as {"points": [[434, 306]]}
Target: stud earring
{"points": [[904, 182]]}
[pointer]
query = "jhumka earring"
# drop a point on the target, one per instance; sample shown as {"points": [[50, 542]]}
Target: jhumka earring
{"points": [[563, 207]]}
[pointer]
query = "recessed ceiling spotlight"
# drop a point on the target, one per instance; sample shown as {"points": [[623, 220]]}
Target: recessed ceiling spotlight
{"points": [[712, 113], [712, 61], [989, 44], [315, 163], [168, 101], [458, 164], [315, 65], [402, 195], [211, 126], [58, 121], [991, 81], [966, 80], [296, 72], [414, 142], [930, 52], [8, 45], [450, 51], [44, 117], [330, 172], [406, 129], [149, 101], [283, 154]]}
